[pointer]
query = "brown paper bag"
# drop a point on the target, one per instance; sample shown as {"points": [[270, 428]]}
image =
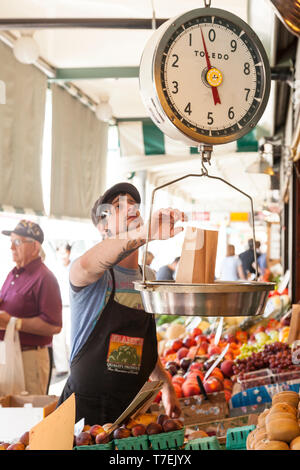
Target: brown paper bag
{"points": [[191, 266], [198, 257], [294, 332]]}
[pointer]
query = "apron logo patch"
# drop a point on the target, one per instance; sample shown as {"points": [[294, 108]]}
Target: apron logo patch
{"points": [[124, 354]]}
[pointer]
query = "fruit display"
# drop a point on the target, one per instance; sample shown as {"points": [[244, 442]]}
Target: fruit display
{"points": [[22, 443], [278, 427]]}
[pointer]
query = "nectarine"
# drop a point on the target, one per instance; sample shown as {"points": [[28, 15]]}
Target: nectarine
{"points": [[95, 429], [83, 439], [227, 368], [138, 430], [217, 373], [171, 425], [190, 388], [177, 344], [103, 438], [154, 428], [121, 433], [182, 352]]}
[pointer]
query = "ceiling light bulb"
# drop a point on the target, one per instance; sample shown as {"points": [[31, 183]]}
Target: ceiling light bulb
{"points": [[26, 50]]}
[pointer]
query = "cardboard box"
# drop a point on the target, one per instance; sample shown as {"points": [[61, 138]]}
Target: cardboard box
{"points": [[196, 410], [18, 413]]}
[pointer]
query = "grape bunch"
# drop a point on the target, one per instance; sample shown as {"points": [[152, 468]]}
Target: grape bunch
{"points": [[275, 356]]}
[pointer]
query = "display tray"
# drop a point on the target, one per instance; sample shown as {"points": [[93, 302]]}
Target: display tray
{"points": [[219, 299]]}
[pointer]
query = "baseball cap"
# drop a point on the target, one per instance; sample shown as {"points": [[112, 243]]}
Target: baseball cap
{"points": [[26, 228], [110, 194]]}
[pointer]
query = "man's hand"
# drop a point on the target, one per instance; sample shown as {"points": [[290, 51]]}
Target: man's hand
{"points": [[170, 401], [4, 319], [163, 223]]}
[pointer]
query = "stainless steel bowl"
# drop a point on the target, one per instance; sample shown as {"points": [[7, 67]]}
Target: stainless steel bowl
{"points": [[220, 299]]}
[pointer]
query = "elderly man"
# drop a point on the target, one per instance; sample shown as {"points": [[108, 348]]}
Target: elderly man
{"points": [[114, 346], [31, 294]]}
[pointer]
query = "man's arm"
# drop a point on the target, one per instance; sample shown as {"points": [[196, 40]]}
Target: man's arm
{"points": [[34, 325], [169, 398], [91, 266]]}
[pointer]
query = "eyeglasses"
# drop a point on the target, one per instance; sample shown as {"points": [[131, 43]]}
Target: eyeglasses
{"points": [[18, 242]]}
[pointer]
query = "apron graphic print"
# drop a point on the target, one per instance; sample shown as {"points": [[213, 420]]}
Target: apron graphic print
{"points": [[124, 354]]}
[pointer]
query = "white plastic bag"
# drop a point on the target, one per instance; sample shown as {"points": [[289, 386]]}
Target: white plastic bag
{"points": [[12, 381]]}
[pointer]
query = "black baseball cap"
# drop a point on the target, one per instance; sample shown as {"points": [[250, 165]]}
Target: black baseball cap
{"points": [[26, 228], [110, 194]]}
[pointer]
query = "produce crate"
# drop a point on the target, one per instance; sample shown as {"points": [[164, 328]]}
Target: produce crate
{"points": [[196, 410], [236, 437], [203, 443], [109, 446], [133, 443], [167, 440]]}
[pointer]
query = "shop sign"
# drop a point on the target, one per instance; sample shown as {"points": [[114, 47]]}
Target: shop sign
{"points": [[239, 216]]}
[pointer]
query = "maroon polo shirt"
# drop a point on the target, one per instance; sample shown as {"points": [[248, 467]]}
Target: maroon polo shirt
{"points": [[32, 291]]}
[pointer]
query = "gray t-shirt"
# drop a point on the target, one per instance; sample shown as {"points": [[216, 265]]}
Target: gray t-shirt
{"points": [[87, 303], [165, 274]]}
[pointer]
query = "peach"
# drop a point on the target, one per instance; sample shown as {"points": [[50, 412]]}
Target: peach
{"points": [[122, 433], [193, 375], [86, 427], [196, 366], [213, 384], [16, 446], [138, 430], [154, 428], [103, 438], [178, 379], [83, 439], [212, 349], [190, 388], [189, 341], [227, 384], [96, 429], [217, 373], [182, 352], [177, 388], [177, 344], [227, 368], [4, 445]]}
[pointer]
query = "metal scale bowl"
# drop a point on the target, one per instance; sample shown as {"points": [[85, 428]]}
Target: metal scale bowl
{"points": [[219, 299]]}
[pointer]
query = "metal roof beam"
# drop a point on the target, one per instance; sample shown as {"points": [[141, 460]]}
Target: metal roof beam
{"points": [[106, 23], [86, 73]]}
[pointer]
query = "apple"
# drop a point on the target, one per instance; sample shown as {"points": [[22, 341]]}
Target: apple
{"points": [[213, 384]]}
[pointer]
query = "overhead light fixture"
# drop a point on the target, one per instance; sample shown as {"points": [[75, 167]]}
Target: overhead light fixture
{"points": [[260, 166], [104, 110], [26, 49]]}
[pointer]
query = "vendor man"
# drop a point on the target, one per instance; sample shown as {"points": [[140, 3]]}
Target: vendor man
{"points": [[114, 347], [31, 294]]}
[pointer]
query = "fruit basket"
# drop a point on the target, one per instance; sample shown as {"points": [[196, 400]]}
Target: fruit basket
{"points": [[203, 443], [132, 443], [108, 446], [167, 440], [236, 437]]}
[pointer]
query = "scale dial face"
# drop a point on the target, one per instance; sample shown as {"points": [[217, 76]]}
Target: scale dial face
{"points": [[211, 75]]}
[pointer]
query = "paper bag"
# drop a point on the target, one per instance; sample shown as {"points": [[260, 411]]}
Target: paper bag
{"points": [[12, 381], [198, 257], [294, 332]]}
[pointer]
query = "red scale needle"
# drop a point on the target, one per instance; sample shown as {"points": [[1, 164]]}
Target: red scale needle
{"points": [[213, 89]]}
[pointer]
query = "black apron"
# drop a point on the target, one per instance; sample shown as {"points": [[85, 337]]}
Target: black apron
{"points": [[113, 364]]}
